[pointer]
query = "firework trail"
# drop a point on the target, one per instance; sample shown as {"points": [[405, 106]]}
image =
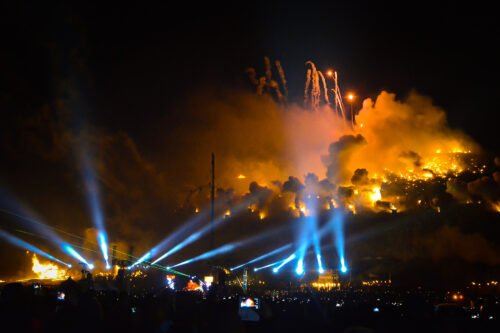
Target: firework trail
{"points": [[281, 72], [306, 89], [325, 88]]}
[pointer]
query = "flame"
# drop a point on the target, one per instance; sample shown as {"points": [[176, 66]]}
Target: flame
{"points": [[262, 215], [240, 176], [193, 286], [47, 270], [496, 206], [303, 209], [375, 195], [252, 208]]}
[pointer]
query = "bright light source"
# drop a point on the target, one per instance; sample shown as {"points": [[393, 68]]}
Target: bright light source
{"points": [[300, 267], [350, 97], [103, 244], [90, 266], [284, 262], [320, 264], [329, 73], [72, 252]]}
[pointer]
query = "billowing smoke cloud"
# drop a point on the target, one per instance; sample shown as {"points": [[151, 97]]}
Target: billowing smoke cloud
{"points": [[399, 137]]}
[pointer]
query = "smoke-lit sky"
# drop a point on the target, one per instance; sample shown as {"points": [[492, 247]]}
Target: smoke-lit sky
{"points": [[150, 87]]}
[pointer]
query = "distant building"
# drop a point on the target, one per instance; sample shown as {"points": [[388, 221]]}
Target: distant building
{"points": [[327, 281]]}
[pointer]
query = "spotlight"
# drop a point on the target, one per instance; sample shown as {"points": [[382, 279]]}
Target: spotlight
{"points": [[192, 238], [264, 256], [300, 267], [103, 244], [72, 252], [343, 267], [42, 228], [269, 265], [90, 266], [24, 245], [338, 230], [203, 231], [320, 264], [231, 246], [209, 254], [173, 237], [142, 259], [94, 203], [284, 262]]}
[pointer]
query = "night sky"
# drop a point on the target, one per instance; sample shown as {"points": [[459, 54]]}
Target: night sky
{"points": [[133, 64], [131, 71]]}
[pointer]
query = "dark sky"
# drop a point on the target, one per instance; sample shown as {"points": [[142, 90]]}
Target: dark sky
{"points": [[133, 64]]}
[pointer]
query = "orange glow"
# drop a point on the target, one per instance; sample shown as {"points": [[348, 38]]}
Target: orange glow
{"points": [[240, 176], [375, 195], [350, 97], [329, 73], [47, 270], [192, 286]]}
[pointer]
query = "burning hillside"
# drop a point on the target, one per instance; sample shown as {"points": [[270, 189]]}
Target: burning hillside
{"points": [[381, 155]]}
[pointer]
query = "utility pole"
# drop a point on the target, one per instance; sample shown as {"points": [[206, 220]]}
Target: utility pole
{"points": [[212, 205], [245, 280]]}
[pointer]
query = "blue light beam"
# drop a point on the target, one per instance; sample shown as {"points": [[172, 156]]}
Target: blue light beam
{"points": [[72, 252], [173, 237], [232, 246], [264, 256], [320, 264], [207, 255], [300, 267], [203, 231], [269, 265], [338, 231], [286, 261], [94, 202], [25, 245]]}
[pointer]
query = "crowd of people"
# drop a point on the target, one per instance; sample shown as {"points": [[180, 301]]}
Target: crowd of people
{"points": [[78, 307]]}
